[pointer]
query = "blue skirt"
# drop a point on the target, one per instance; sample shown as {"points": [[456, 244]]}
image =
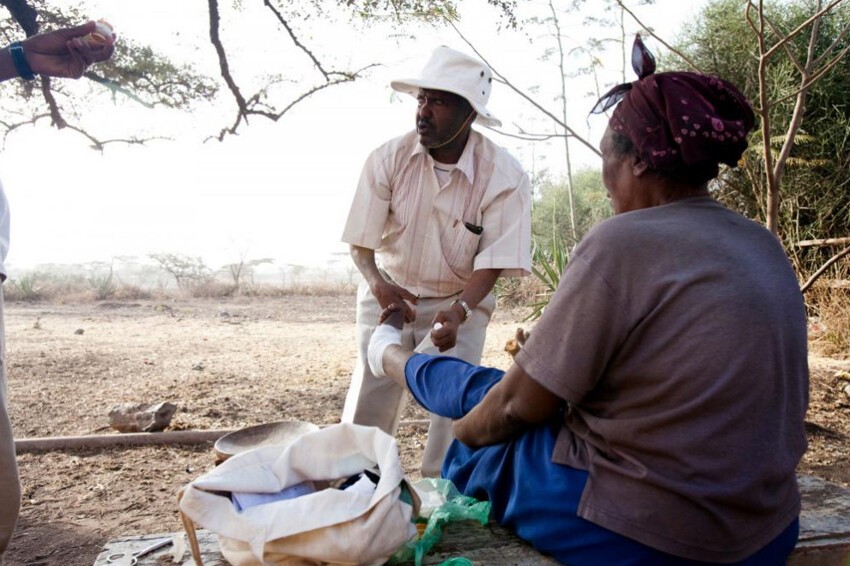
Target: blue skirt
{"points": [[531, 495]]}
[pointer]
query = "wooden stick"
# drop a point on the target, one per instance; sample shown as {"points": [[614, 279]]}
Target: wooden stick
{"points": [[24, 445], [823, 269], [825, 242]]}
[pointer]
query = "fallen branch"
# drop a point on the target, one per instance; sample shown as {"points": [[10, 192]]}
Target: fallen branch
{"points": [[824, 242], [823, 268], [48, 443]]}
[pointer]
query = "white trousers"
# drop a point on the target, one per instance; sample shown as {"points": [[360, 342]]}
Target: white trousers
{"points": [[374, 401], [10, 487]]}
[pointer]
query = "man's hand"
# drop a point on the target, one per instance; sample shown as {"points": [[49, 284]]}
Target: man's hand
{"points": [[393, 315], [445, 338], [389, 293], [63, 52]]}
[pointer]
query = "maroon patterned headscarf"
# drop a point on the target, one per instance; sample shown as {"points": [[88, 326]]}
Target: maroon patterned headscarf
{"points": [[678, 119]]}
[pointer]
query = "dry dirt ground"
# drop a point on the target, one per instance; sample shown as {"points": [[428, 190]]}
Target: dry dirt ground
{"points": [[225, 364]]}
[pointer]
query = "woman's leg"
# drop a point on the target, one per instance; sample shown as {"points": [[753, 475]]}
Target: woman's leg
{"points": [[530, 494], [448, 386]]}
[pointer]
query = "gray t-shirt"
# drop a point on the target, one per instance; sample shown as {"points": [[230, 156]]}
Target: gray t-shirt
{"points": [[677, 336]]}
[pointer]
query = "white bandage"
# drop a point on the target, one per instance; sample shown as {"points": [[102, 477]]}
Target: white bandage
{"points": [[427, 345], [384, 336]]}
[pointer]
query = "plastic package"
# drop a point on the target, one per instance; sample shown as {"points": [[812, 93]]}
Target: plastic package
{"points": [[443, 504]]}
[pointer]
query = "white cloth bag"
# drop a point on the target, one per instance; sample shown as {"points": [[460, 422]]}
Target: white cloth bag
{"points": [[331, 526]]}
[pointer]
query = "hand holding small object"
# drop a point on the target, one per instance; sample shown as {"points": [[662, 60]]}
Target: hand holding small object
{"points": [[64, 53], [103, 34]]}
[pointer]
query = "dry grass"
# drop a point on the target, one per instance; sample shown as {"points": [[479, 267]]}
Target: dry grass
{"points": [[828, 303], [76, 289]]}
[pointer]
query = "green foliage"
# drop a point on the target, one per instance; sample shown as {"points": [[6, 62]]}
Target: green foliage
{"points": [[135, 71], [26, 287], [550, 218], [547, 264], [102, 281], [815, 195], [550, 226], [401, 11]]}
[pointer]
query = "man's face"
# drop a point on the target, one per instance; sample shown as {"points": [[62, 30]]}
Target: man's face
{"points": [[439, 116]]}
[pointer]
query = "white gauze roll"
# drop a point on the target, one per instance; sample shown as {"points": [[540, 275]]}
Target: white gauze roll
{"points": [[384, 336]]}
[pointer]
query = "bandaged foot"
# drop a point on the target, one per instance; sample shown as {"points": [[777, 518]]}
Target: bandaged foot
{"points": [[383, 337]]}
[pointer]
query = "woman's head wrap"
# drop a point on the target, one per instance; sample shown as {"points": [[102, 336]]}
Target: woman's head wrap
{"points": [[678, 119]]}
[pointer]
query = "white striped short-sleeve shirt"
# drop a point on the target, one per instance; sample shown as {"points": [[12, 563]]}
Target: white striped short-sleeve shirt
{"points": [[419, 229]]}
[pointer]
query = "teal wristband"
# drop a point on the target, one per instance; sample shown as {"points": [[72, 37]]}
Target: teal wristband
{"points": [[20, 61]]}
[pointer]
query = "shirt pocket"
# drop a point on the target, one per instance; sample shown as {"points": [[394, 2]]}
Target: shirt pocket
{"points": [[460, 246]]}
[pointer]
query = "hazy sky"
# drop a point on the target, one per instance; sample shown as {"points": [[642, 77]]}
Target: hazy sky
{"points": [[278, 190]]}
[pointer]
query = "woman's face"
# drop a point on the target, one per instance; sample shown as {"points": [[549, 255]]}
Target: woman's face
{"points": [[618, 176]]}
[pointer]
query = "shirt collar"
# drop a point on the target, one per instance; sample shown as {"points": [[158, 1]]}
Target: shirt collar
{"points": [[464, 164]]}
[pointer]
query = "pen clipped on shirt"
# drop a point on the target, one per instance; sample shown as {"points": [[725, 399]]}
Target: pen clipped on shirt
{"points": [[477, 230]]}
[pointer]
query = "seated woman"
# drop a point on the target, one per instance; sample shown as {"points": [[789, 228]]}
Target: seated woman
{"points": [[655, 414]]}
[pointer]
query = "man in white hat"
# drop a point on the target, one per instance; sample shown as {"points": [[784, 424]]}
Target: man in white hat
{"points": [[439, 214]]}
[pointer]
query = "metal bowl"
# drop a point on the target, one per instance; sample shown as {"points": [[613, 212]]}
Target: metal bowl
{"points": [[280, 433]]}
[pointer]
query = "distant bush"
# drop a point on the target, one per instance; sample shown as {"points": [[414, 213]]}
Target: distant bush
{"points": [[25, 288], [104, 287], [127, 292], [78, 288], [209, 289]]}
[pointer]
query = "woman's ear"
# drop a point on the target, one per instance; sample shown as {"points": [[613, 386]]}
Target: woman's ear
{"points": [[639, 166]]}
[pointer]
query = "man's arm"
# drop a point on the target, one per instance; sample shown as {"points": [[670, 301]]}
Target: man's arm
{"points": [[387, 293], [478, 287], [513, 405], [60, 53]]}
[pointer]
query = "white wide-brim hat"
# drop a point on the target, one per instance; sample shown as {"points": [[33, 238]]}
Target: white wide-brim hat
{"points": [[455, 72]]}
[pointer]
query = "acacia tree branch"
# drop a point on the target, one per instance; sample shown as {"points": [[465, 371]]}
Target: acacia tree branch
{"points": [[96, 143], [24, 14], [99, 144], [527, 136], [833, 45], [672, 49], [788, 51], [799, 28], [772, 208], [275, 116], [291, 33], [562, 73], [799, 106], [55, 114], [823, 269], [816, 76], [8, 127], [215, 38], [344, 78], [522, 94], [253, 106], [115, 87]]}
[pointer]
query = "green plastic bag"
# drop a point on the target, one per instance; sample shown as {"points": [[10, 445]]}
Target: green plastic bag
{"points": [[455, 507]]}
